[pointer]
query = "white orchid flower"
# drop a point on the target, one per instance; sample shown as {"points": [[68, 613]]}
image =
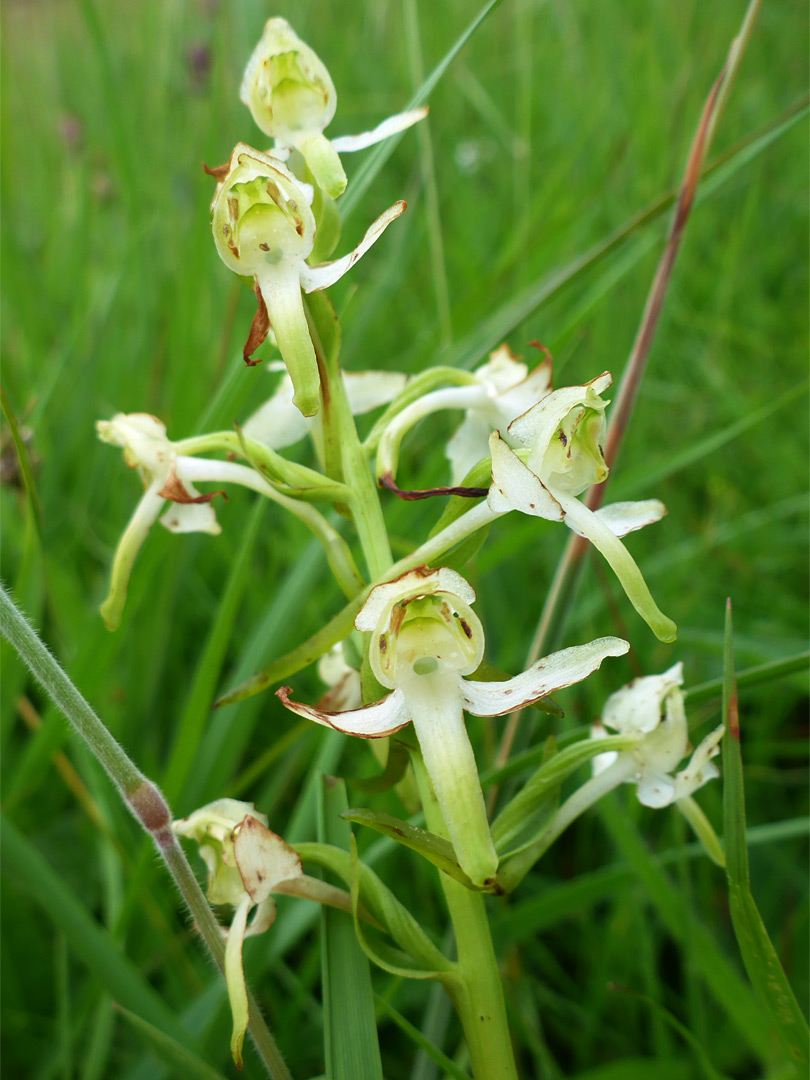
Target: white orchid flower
{"points": [[264, 228], [278, 423], [559, 443], [170, 475], [498, 391], [292, 98], [652, 708], [246, 862], [424, 640]]}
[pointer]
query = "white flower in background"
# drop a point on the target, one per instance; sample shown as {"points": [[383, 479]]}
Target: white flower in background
{"points": [[292, 98], [345, 690], [555, 454], [246, 862], [278, 423], [652, 708], [166, 475], [264, 228], [497, 392], [424, 640]]}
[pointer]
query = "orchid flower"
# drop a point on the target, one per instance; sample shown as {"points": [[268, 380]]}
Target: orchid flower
{"points": [[264, 228], [292, 98], [497, 392], [278, 423], [559, 454], [246, 862], [424, 640], [652, 708], [168, 474]]}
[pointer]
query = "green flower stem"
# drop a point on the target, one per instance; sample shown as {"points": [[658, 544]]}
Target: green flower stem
{"points": [[339, 428], [453, 534], [141, 796], [479, 998]]}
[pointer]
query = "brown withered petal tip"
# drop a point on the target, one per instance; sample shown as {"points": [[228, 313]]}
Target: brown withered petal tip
{"points": [[173, 490], [219, 172], [387, 481], [259, 330]]}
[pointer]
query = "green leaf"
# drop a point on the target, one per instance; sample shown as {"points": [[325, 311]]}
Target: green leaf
{"points": [[351, 1047], [759, 956], [435, 849], [180, 1059], [415, 1035]]}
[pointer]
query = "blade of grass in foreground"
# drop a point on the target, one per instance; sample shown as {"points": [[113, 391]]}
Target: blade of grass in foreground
{"points": [[182, 1060], [759, 956], [350, 1030]]}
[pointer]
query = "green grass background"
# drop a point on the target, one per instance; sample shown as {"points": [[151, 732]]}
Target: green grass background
{"points": [[557, 123]]}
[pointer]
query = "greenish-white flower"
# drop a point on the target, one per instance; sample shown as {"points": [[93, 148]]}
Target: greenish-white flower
{"points": [[652, 708], [553, 455], [246, 862], [264, 228], [292, 98], [425, 641]]}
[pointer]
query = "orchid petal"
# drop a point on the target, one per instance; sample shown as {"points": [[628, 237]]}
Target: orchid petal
{"points": [[413, 583], [637, 707], [191, 517], [626, 517], [263, 858], [142, 520], [549, 674], [538, 425], [281, 291], [586, 522], [467, 445], [235, 979], [371, 722], [516, 487], [367, 390], [435, 702], [347, 144], [263, 917], [321, 277], [655, 789], [277, 423], [323, 161]]}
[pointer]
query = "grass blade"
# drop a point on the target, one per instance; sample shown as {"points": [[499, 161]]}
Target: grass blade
{"points": [[350, 1030], [759, 956], [180, 1059]]}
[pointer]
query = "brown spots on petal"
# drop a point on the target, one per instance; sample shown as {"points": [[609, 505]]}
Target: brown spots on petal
{"points": [[561, 437], [259, 329], [174, 490], [383, 643], [465, 626]]}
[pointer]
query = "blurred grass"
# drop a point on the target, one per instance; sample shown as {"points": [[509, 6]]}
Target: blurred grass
{"points": [[557, 123]]}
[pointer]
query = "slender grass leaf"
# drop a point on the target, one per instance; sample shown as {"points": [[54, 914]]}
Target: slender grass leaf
{"points": [[759, 956], [415, 1035], [182, 1061]]}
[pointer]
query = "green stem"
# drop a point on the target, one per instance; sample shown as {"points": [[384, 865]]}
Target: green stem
{"points": [[479, 998], [365, 505], [140, 795]]}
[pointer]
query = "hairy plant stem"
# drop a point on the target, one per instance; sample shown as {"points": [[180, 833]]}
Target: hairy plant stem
{"points": [[141, 796], [479, 1000]]}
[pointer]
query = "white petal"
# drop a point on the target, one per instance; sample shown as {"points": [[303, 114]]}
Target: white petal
{"points": [[502, 372], [321, 277], [547, 675], [655, 790], [367, 390], [277, 423], [413, 583], [345, 144], [638, 707], [468, 445], [626, 517], [538, 426], [263, 917], [263, 858], [235, 979], [191, 517], [371, 722], [515, 487], [601, 761], [138, 527], [621, 562]]}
